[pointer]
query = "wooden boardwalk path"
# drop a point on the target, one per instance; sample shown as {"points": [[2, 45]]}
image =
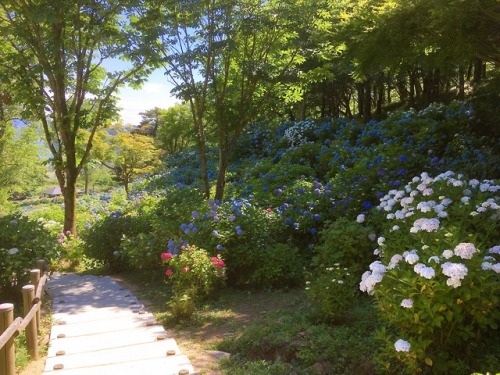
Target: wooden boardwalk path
{"points": [[100, 329]]}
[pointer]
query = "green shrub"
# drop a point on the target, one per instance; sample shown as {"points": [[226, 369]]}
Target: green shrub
{"points": [[437, 281], [347, 242], [333, 291], [22, 243], [194, 273], [276, 266]]}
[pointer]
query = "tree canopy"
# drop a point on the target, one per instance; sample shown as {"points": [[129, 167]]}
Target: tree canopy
{"points": [[52, 56]]}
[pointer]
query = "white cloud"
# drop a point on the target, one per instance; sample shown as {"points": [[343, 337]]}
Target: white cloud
{"points": [[151, 95]]}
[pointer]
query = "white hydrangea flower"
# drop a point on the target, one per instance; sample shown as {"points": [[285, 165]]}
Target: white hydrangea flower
{"points": [[381, 241], [494, 188], [418, 267], [454, 282], [465, 250], [474, 183], [447, 254], [496, 267], [400, 214], [405, 202], [395, 259], [369, 280], [485, 266], [377, 266], [484, 187], [402, 346], [13, 251], [395, 227], [428, 225], [456, 272], [427, 272], [427, 192], [435, 259], [361, 218], [407, 303], [465, 200], [412, 257], [494, 250]]}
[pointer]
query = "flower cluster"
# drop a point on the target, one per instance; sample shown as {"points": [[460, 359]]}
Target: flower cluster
{"points": [[193, 272], [441, 251]]}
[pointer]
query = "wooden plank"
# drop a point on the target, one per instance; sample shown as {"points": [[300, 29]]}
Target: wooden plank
{"points": [[12, 331]]}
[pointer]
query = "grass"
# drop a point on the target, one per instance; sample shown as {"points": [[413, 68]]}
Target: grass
{"points": [[266, 332], [23, 358]]}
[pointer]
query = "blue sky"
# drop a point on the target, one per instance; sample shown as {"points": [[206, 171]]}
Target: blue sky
{"points": [[154, 93]]}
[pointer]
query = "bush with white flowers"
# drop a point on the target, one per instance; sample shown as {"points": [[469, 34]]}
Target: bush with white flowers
{"points": [[437, 282]]}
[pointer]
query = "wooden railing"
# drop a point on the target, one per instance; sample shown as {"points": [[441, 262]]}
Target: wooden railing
{"points": [[10, 328]]}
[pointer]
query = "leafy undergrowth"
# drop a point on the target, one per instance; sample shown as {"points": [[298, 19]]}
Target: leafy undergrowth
{"points": [[24, 364], [266, 332]]}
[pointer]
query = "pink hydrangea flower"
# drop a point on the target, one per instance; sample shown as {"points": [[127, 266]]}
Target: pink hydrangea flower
{"points": [[166, 256]]}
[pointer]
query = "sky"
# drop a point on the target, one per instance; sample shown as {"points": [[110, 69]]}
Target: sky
{"points": [[154, 93]]}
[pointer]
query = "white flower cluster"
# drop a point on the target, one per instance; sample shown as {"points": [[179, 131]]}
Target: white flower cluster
{"points": [[411, 257], [402, 346], [296, 134], [456, 273], [405, 198], [465, 250], [428, 225], [370, 278], [13, 251], [488, 264], [407, 303], [424, 271], [360, 218], [424, 197]]}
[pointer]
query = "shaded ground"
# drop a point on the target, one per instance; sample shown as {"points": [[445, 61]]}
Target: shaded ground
{"points": [[227, 316]]}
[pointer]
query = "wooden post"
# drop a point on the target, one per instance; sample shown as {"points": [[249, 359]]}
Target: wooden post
{"points": [[40, 263], [31, 333], [35, 279], [7, 353]]}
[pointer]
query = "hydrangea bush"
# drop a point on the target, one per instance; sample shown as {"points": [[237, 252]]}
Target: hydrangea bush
{"points": [[436, 282], [194, 275], [22, 242]]}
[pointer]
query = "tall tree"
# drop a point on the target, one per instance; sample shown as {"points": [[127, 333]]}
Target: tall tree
{"points": [[227, 58], [54, 51], [175, 129], [21, 168], [127, 155]]}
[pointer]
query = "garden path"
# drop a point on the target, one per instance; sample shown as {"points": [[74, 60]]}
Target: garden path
{"points": [[101, 329]]}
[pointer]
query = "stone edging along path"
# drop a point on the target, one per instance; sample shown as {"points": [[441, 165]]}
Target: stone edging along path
{"points": [[99, 328]]}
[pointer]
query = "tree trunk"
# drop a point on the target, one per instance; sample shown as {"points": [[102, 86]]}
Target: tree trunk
{"points": [[69, 193], [367, 102], [478, 71], [461, 83], [361, 96], [86, 173], [204, 169], [380, 99], [412, 98], [221, 175]]}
